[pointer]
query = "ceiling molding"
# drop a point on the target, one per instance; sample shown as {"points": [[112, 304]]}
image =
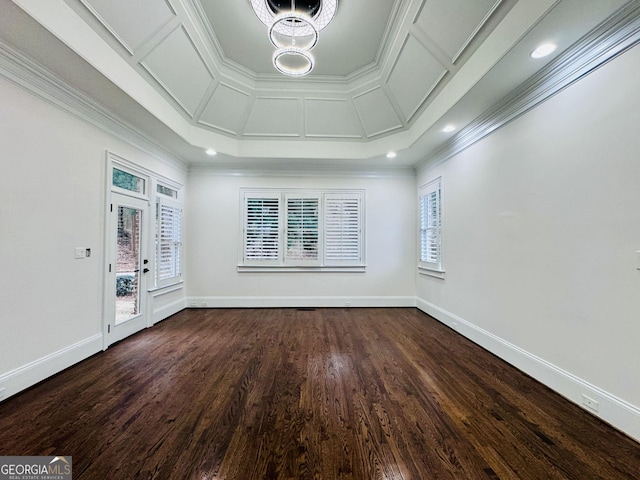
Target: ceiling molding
{"points": [[180, 105], [32, 77], [394, 103], [172, 56], [604, 43], [342, 117], [296, 170], [160, 22]]}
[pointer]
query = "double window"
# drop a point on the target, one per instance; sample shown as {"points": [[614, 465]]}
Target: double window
{"points": [[430, 208], [292, 228]]}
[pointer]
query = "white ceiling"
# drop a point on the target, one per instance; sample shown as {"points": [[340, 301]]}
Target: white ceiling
{"points": [[197, 74]]}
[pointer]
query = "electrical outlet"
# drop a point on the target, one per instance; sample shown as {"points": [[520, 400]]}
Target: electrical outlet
{"points": [[590, 403], [205, 304], [193, 304], [80, 252]]}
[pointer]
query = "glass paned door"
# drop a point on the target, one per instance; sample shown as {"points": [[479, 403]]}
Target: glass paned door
{"points": [[127, 267], [128, 260]]}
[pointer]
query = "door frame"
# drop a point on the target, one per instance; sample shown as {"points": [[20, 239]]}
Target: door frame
{"points": [[112, 333]]}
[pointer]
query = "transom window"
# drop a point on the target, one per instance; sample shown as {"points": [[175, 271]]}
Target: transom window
{"points": [[128, 181]]}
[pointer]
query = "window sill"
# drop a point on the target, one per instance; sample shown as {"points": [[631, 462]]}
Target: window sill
{"points": [[431, 272], [293, 269], [166, 288]]}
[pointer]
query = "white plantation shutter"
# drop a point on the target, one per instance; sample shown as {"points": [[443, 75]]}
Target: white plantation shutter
{"points": [[169, 244], [262, 229], [431, 225], [342, 229], [302, 229]]}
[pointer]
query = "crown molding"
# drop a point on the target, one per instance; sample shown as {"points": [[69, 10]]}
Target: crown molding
{"points": [[25, 73], [619, 33], [292, 170]]}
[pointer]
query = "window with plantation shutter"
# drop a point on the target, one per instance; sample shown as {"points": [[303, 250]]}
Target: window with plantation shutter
{"points": [[342, 230], [431, 226], [294, 229], [262, 229], [169, 242], [302, 229]]}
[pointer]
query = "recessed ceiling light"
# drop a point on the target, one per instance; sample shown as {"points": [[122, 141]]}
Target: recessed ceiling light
{"points": [[449, 128], [211, 152], [392, 155], [543, 50]]}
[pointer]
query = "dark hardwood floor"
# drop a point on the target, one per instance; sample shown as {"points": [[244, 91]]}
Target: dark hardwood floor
{"points": [[297, 394]]}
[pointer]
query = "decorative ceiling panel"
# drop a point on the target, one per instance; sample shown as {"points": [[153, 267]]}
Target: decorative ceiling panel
{"points": [[379, 65], [143, 19], [414, 76], [226, 109], [330, 117], [274, 117], [376, 112], [357, 32], [177, 66], [452, 24]]}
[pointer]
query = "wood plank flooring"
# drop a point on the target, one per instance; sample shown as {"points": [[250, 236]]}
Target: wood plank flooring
{"points": [[308, 394]]}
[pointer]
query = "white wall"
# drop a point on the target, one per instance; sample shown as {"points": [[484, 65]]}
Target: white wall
{"points": [[540, 238], [213, 229], [52, 196]]}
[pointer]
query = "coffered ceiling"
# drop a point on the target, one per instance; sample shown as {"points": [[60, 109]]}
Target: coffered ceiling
{"points": [[197, 74]]}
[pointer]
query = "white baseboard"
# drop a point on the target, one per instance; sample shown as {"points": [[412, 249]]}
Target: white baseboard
{"points": [[299, 302], [613, 410], [28, 375], [168, 310]]}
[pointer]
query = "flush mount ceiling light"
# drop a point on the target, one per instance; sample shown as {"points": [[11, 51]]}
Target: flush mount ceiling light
{"points": [[449, 128], [293, 30]]}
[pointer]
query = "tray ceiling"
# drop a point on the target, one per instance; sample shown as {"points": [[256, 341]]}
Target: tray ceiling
{"points": [[387, 71]]}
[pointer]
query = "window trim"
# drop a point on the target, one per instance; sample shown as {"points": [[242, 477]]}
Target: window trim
{"points": [[152, 196], [163, 200], [282, 264], [433, 269]]}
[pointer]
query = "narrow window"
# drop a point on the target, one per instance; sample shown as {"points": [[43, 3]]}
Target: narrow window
{"points": [[169, 242], [302, 229], [262, 229], [342, 230], [431, 225]]}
